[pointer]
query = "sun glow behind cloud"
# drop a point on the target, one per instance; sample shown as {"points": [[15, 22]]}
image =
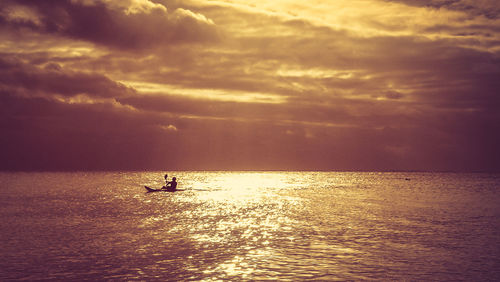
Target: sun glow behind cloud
{"points": [[373, 18], [201, 93], [362, 17]]}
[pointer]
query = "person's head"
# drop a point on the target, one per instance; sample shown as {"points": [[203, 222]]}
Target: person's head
{"points": [[173, 178]]}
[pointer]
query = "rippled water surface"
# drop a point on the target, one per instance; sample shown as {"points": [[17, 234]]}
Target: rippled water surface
{"points": [[250, 226]]}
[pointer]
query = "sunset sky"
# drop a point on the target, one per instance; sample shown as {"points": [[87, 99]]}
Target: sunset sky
{"points": [[239, 85]]}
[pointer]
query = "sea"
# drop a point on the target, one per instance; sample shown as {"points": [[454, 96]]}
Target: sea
{"points": [[250, 225]]}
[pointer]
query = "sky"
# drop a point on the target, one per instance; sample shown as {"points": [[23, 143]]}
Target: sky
{"points": [[371, 85]]}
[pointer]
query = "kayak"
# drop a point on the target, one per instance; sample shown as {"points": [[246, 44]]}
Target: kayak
{"points": [[160, 190]]}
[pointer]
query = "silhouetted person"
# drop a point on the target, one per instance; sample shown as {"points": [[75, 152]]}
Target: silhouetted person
{"points": [[172, 185]]}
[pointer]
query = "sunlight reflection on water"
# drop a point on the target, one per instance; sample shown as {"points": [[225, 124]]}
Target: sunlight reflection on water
{"points": [[250, 225]]}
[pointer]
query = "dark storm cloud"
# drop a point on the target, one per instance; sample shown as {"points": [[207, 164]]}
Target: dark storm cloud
{"points": [[102, 23], [487, 8], [51, 79]]}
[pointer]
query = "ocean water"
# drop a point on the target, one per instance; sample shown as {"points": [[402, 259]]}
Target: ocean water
{"points": [[250, 226]]}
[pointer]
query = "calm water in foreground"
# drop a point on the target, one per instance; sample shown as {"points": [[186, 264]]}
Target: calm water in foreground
{"points": [[250, 226]]}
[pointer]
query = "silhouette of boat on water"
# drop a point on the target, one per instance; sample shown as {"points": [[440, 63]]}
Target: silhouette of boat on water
{"points": [[163, 189]]}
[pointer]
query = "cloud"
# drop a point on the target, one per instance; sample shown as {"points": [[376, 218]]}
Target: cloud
{"points": [[140, 85], [169, 127], [119, 24], [393, 94], [487, 8], [51, 79]]}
